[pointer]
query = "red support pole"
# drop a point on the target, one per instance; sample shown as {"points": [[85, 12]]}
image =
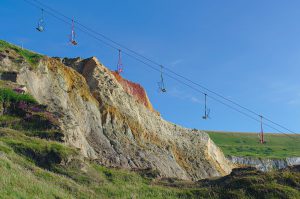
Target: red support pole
{"points": [[119, 65], [261, 130]]}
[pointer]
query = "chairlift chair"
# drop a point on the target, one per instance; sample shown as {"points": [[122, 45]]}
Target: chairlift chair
{"points": [[261, 134], [206, 110], [161, 84], [73, 35], [41, 23], [206, 114], [163, 90], [161, 87], [120, 64]]}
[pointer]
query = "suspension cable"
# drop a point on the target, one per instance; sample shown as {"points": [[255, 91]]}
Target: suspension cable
{"points": [[116, 45]]}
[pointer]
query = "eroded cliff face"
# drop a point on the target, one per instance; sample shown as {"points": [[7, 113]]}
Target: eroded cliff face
{"points": [[135, 90], [265, 165], [111, 120]]}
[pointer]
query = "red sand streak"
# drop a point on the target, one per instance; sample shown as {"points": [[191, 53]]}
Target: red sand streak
{"points": [[134, 89]]}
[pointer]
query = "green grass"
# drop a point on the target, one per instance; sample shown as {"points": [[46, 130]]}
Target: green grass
{"points": [[8, 95], [247, 144], [8, 118], [31, 57], [21, 178], [44, 153], [18, 182]]}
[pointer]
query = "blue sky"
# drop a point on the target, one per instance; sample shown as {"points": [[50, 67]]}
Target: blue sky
{"points": [[248, 51]]}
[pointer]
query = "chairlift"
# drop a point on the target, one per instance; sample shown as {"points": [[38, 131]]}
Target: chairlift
{"points": [[206, 110], [41, 23], [73, 35], [119, 65], [161, 84]]}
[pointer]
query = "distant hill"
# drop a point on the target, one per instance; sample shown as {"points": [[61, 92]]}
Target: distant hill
{"points": [[247, 144]]}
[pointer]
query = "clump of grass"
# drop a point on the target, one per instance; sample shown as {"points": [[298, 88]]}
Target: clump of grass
{"points": [[8, 95], [29, 56]]}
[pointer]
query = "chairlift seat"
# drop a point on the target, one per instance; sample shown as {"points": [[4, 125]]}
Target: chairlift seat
{"points": [[74, 42], [40, 28]]}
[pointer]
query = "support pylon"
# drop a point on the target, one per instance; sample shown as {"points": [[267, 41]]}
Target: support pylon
{"points": [[262, 141]]}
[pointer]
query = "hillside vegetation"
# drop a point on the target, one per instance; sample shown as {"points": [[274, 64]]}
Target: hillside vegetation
{"points": [[247, 144], [34, 163], [31, 57]]}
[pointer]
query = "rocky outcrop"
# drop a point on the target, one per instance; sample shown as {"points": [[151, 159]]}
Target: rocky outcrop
{"points": [[265, 164], [111, 121]]}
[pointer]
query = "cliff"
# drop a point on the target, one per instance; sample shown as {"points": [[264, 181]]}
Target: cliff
{"points": [[111, 120]]}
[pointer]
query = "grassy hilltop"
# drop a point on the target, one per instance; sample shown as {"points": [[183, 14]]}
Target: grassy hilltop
{"points": [[247, 144]]}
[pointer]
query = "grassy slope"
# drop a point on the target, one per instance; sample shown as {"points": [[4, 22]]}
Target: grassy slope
{"points": [[21, 178], [31, 57], [247, 144]]}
